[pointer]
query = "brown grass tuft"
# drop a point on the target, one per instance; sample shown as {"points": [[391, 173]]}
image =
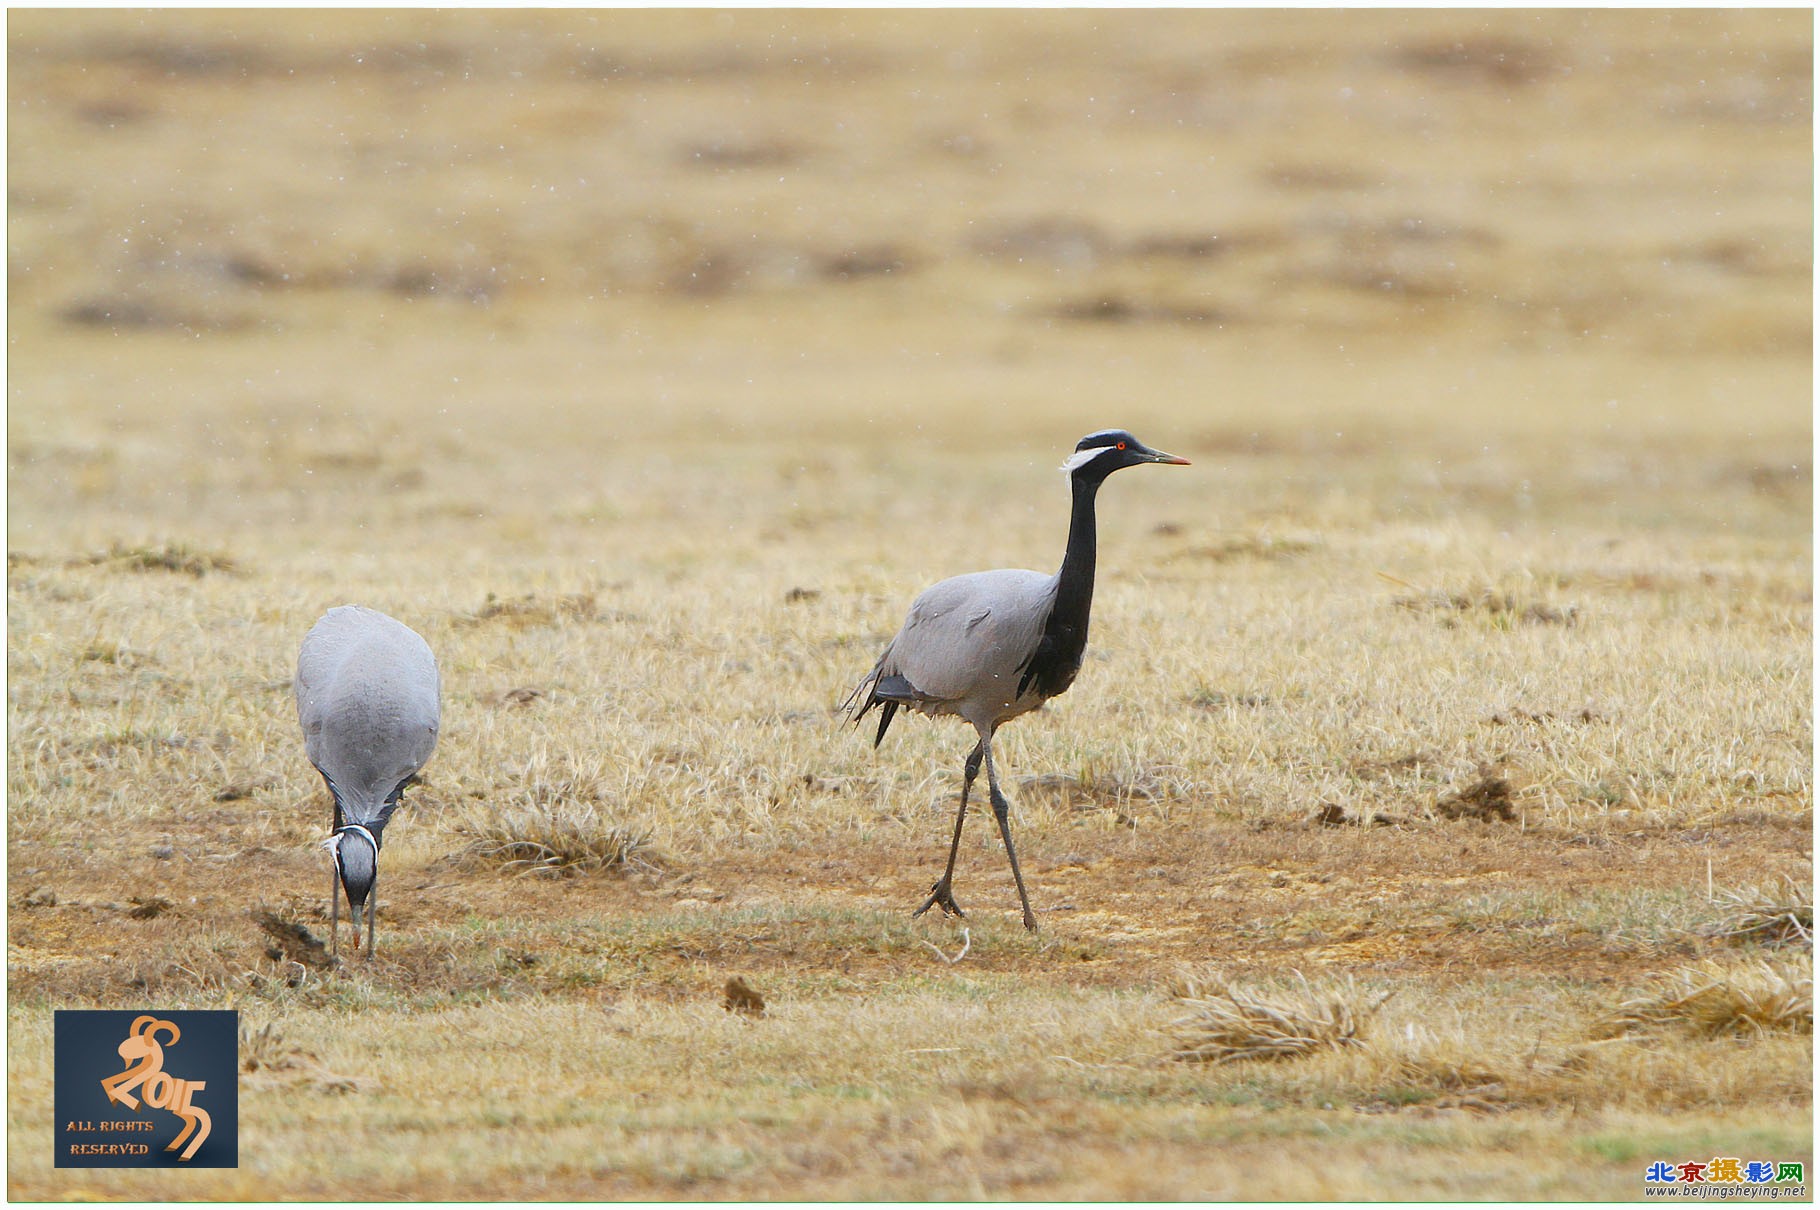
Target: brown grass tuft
{"points": [[172, 556], [267, 1059], [1780, 912], [1713, 1000], [148, 908], [742, 998], [529, 611], [264, 1048], [1487, 799], [1267, 547], [1333, 815], [1442, 1068], [560, 832], [1228, 1023], [1500, 607], [292, 942]]}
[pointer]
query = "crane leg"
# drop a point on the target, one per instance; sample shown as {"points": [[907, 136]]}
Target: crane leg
{"points": [[942, 894], [372, 914], [1002, 810], [334, 911], [335, 878]]}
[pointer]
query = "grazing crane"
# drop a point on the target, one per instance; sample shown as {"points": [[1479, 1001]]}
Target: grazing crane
{"points": [[370, 700], [996, 644]]}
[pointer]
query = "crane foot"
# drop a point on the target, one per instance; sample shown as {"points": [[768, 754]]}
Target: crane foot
{"points": [[942, 896]]}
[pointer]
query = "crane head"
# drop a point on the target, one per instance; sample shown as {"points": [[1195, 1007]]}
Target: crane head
{"points": [[355, 849], [1099, 454]]}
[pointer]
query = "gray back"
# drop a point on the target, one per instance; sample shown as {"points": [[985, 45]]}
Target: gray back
{"points": [[370, 701], [966, 640]]}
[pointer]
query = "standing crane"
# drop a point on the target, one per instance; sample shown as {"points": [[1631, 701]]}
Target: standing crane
{"points": [[370, 701], [996, 644]]}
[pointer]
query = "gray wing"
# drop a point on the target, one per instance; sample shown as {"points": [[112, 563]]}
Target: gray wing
{"points": [[971, 636], [370, 700]]}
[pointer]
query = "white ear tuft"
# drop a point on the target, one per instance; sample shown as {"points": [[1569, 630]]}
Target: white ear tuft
{"points": [[1081, 458]]}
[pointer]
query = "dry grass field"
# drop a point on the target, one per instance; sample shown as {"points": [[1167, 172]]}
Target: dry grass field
{"points": [[1432, 817]]}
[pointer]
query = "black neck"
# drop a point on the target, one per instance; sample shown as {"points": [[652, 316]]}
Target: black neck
{"points": [[1058, 654], [1074, 588]]}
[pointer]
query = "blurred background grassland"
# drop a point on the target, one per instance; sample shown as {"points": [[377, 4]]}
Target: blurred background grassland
{"points": [[1535, 231]]}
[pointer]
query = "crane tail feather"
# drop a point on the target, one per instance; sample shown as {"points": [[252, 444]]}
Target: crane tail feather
{"points": [[884, 721], [888, 690]]}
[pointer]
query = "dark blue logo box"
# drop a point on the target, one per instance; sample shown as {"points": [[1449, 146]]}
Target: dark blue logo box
{"points": [[147, 1089]]}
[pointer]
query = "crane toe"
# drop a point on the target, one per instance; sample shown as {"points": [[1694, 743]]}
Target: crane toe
{"points": [[940, 895]]}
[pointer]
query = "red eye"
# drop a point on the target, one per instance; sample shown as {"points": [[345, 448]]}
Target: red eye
{"points": [[1121, 445]]}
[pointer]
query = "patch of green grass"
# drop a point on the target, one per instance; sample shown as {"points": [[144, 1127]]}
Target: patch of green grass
{"points": [[1644, 916], [1667, 1142]]}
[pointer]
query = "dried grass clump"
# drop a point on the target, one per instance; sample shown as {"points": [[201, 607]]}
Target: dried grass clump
{"points": [[529, 611], [1265, 547], [268, 1060], [266, 1049], [1775, 913], [1487, 800], [1228, 1023], [1454, 1069], [741, 997], [1093, 788], [291, 941], [1713, 1001], [557, 834], [172, 556], [1451, 1083], [1501, 607]]}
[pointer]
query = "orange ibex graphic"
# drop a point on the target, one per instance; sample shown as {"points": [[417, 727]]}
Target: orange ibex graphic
{"points": [[145, 1065]]}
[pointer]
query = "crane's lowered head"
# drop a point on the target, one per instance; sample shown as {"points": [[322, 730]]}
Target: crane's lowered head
{"points": [[1099, 454], [355, 850]]}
